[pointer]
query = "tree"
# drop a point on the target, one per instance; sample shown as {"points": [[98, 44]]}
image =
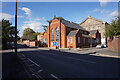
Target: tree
{"points": [[114, 28], [29, 34], [28, 31], [60, 18], [45, 27], [49, 21], [8, 33]]}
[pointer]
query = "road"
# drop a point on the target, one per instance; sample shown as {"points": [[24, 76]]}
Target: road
{"points": [[61, 65]]}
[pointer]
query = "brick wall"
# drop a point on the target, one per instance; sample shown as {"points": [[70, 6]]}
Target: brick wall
{"points": [[25, 42], [29, 43], [62, 31], [33, 43], [114, 44], [73, 45]]}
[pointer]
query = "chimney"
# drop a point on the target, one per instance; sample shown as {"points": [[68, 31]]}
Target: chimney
{"points": [[89, 16]]}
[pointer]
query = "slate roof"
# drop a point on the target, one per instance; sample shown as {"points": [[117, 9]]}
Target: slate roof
{"points": [[73, 33], [93, 32], [72, 25]]}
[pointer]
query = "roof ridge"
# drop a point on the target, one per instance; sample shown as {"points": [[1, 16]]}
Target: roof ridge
{"points": [[91, 18], [92, 30], [97, 19]]}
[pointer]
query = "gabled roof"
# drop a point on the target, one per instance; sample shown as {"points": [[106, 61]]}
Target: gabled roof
{"points": [[93, 32], [72, 25], [73, 33], [89, 17], [42, 33], [69, 24]]}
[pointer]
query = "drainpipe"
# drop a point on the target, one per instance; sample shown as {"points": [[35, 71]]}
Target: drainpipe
{"points": [[49, 34], [91, 42], [60, 33]]}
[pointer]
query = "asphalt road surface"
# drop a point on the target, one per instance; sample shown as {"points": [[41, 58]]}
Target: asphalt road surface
{"points": [[62, 65]]}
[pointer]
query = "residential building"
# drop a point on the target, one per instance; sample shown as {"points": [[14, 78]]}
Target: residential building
{"points": [[95, 34], [91, 23]]}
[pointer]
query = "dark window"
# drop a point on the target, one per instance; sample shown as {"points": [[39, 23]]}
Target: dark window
{"points": [[86, 33], [89, 40], [78, 40], [84, 40], [52, 35], [88, 28], [81, 32], [57, 34]]}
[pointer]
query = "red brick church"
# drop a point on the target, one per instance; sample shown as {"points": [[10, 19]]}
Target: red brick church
{"points": [[64, 34]]}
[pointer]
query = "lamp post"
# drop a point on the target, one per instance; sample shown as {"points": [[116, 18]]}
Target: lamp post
{"points": [[16, 27]]}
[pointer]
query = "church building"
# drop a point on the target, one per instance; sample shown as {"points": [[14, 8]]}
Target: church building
{"points": [[65, 34]]}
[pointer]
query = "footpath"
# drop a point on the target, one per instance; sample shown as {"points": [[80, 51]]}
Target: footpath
{"points": [[12, 68], [91, 51]]}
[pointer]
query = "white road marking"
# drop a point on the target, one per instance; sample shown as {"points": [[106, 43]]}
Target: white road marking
{"points": [[54, 76], [33, 74], [23, 55], [40, 70], [33, 62]]}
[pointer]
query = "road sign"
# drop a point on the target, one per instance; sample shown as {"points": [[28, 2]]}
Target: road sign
{"points": [[54, 43]]}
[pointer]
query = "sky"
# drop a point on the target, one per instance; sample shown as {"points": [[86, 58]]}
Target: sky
{"points": [[35, 14]]}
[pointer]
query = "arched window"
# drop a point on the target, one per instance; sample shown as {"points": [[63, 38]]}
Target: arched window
{"points": [[52, 35], [57, 34]]}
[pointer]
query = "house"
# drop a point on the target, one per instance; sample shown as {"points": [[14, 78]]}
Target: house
{"points": [[91, 23], [65, 34], [95, 34], [28, 42], [42, 39]]}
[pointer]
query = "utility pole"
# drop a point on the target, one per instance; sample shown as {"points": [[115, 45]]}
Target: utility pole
{"points": [[15, 28]]}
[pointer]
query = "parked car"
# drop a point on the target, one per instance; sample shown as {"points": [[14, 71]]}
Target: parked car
{"points": [[100, 46], [25, 45], [105, 45]]}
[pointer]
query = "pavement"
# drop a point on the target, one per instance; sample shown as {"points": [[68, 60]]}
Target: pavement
{"points": [[91, 51], [13, 68]]}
